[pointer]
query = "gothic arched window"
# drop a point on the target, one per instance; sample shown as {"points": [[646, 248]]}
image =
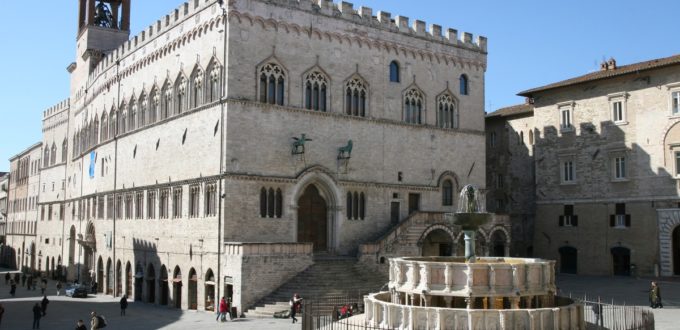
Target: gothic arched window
{"points": [[113, 123], [180, 94], [94, 134], [447, 113], [104, 134], [413, 106], [122, 119], [394, 71], [132, 114], [143, 107], [46, 157], [64, 150], [356, 97], [214, 89], [272, 84], [447, 193], [166, 100], [53, 154], [153, 105], [316, 89], [196, 88], [463, 84]]}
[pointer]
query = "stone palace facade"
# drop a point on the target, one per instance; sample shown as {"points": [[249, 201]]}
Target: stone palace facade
{"points": [[171, 172]]}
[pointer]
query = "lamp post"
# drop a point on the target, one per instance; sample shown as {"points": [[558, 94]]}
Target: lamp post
{"points": [[221, 170]]}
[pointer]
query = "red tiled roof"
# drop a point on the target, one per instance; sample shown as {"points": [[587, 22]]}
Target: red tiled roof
{"points": [[605, 74], [519, 109]]}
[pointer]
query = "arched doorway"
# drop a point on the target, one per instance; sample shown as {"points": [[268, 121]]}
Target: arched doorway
{"points": [[621, 261], [47, 266], [163, 285], [177, 287], [100, 275], [139, 281], [313, 219], [150, 284], [72, 246], [119, 279], [209, 290], [437, 243], [32, 254], [128, 279], [109, 277], [89, 244], [676, 250], [53, 269], [193, 289], [568, 260], [498, 244]]}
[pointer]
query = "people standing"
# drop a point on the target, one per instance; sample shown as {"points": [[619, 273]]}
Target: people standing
{"points": [[94, 321], [13, 287], [655, 296], [43, 305], [222, 310], [37, 313], [123, 305], [81, 325], [7, 276], [58, 288], [295, 304]]}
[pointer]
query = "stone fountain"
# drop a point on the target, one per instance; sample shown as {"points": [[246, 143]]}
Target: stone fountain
{"points": [[470, 216], [470, 292]]}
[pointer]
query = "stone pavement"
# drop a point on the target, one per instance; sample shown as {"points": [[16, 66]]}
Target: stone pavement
{"points": [[63, 312]]}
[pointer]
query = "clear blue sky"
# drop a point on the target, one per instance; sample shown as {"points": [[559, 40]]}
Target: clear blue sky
{"points": [[531, 43]]}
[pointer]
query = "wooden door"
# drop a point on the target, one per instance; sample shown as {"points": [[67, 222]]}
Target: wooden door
{"points": [[312, 219]]}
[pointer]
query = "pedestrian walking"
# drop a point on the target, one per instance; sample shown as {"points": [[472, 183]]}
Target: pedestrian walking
{"points": [[123, 305], [7, 276], [59, 286], [94, 321], [43, 286], [43, 305], [222, 311], [81, 325], [13, 287], [295, 304], [655, 296], [35, 282], [37, 313]]}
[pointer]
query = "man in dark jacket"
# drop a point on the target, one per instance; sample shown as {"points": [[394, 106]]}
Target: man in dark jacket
{"points": [[123, 305], [43, 305], [36, 316]]}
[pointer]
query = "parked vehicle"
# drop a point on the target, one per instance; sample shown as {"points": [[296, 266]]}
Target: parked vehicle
{"points": [[77, 291]]}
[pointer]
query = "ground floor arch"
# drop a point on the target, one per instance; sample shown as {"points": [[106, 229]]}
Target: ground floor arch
{"points": [[568, 260], [438, 243], [499, 244], [119, 279], [139, 281], [192, 289], [177, 287], [621, 261], [150, 284], [100, 275], [312, 225], [676, 250], [163, 286], [128, 279], [209, 290], [109, 277]]}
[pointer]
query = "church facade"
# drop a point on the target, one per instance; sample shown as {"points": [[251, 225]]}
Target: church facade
{"points": [[229, 144]]}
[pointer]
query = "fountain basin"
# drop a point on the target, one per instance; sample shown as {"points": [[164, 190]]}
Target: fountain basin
{"points": [[471, 221]]}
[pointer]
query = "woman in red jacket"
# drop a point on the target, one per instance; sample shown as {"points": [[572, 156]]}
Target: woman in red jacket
{"points": [[223, 309]]}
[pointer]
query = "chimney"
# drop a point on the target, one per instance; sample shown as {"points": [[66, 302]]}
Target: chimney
{"points": [[608, 65]]}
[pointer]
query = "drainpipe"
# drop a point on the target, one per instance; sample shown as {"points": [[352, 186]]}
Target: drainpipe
{"points": [[115, 178], [218, 280]]}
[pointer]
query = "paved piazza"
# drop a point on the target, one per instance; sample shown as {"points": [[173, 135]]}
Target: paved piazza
{"points": [[63, 312]]}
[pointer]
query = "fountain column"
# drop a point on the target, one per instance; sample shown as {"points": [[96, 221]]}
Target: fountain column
{"points": [[470, 245]]}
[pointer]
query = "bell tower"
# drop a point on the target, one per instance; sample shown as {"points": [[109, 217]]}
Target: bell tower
{"points": [[103, 26]]}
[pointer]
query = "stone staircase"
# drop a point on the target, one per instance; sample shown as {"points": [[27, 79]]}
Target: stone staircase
{"points": [[327, 277]]}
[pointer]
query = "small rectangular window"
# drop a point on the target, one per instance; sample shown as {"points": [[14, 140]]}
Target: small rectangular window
{"points": [[568, 171], [492, 139], [675, 103], [617, 109], [620, 167], [565, 122], [499, 181], [677, 163]]}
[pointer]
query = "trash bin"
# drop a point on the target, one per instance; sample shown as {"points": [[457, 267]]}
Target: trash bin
{"points": [[233, 313]]}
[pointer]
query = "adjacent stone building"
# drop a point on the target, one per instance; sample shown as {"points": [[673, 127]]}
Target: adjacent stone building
{"points": [[510, 177], [231, 143], [4, 189], [607, 163], [22, 209]]}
